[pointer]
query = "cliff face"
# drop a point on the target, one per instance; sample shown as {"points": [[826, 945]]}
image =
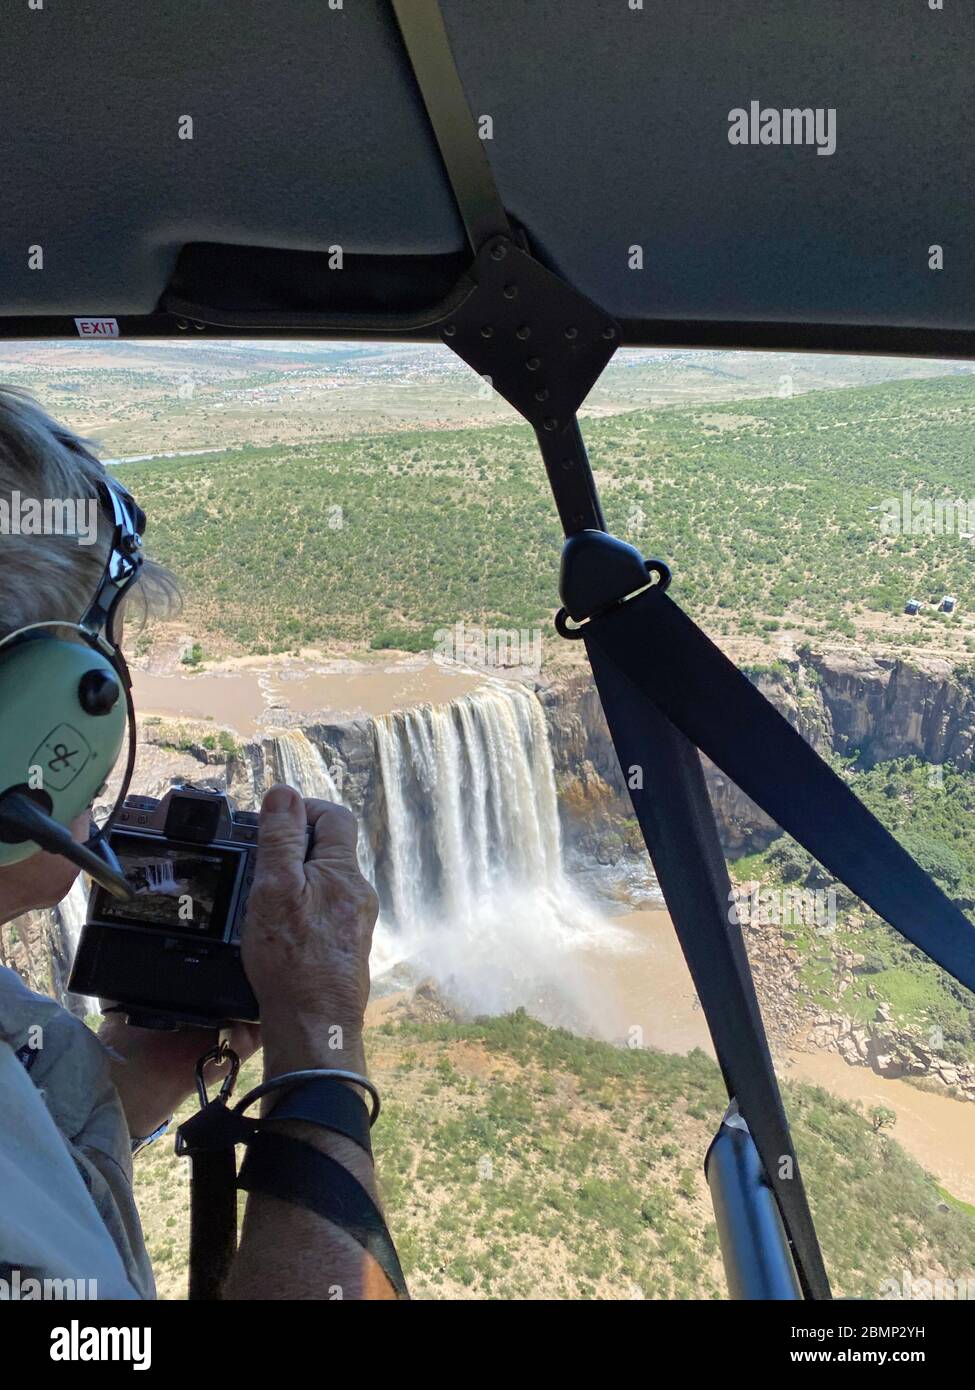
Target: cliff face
{"points": [[892, 709], [592, 788], [837, 701]]}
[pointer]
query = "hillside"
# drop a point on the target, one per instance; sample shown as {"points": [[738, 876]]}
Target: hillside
{"points": [[518, 1161], [772, 513]]}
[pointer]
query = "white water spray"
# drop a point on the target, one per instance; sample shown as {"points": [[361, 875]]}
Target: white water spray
{"points": [[471, 869]]}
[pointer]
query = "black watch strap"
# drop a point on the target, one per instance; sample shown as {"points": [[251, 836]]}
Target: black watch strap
{"points": [[298, 1173], [331, 1104]]}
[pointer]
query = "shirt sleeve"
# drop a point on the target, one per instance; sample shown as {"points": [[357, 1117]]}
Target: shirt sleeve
{"points": [[66, 1160], [50, 1226]]}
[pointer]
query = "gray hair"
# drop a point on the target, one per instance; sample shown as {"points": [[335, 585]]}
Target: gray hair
{"points": [[54, 575]]}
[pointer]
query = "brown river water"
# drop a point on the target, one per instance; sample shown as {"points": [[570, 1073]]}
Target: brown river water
{"points": [[651, 989], [253, 698]]}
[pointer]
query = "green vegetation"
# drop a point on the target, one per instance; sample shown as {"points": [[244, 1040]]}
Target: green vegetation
{"points": [[189, 737], [518, 1161], [771, 517], [932, 811]]}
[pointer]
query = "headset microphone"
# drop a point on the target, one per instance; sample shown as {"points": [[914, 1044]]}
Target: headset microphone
{"points": [[65, 706], [19, 815]]}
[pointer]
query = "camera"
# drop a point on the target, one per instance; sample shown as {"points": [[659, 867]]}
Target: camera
{"points": [[171, 955]]}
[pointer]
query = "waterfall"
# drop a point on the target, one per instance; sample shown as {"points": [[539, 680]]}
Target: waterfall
{"points": [[470, 871], [470, 804], [159, 876], [69, 918], [302, 766]]}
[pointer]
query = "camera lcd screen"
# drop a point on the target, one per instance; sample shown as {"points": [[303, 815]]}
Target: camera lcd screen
{"points": [[178, 887]]}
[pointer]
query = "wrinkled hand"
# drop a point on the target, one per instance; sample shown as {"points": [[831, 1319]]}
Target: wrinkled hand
{"points": [[307, 934]]}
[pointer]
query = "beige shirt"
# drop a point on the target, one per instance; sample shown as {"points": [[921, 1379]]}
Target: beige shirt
{"points": [[66, 1206]]}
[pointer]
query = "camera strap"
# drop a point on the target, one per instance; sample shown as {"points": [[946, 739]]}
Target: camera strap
{"points": [[277, 1165]]}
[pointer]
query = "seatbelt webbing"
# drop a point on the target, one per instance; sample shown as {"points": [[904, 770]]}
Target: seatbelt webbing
{"points": [[425, 37], [683, 866], [671, 802]]}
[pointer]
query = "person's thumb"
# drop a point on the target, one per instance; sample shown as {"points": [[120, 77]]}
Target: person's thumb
{"points": [[282, 834]]}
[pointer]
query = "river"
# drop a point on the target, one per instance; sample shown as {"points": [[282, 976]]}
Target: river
{"points": [[652, 990]]}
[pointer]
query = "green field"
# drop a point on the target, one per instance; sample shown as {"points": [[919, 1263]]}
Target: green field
{"points": [[768, 510], [518, 1161]]}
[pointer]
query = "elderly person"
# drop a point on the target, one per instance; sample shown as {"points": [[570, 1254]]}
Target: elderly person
{"points": [[74, 1108]]}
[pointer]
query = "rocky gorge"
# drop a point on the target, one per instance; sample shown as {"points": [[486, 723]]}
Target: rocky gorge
{"points": [[840, 701]]}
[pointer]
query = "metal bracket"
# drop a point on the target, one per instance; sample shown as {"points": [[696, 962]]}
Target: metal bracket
{"points": [[541, 344]]}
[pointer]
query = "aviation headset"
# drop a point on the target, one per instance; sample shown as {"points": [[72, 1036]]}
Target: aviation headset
{"points": [[64, 707]]}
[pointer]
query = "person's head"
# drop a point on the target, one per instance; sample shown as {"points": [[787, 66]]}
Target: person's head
{"points": [[49, 573]]}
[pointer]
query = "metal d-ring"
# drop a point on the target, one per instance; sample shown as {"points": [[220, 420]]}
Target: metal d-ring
{"points": [[572, 634]]}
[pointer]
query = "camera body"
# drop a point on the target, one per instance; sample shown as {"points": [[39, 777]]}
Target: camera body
{"points": [[171, 956]]}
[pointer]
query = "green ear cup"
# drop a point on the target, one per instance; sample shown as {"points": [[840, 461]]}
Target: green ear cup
{"points": [[62, 721]]}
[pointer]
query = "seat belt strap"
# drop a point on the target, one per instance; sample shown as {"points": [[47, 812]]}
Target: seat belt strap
{"points": [[670, 798], [462, 150], [518, 302]]}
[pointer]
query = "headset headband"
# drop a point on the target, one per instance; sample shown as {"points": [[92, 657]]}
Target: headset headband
{"points": [[22, 817], [125, 558]]}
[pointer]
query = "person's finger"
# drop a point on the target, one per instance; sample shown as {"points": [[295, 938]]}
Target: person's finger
{"points": [[281, 836], [334, 829]]}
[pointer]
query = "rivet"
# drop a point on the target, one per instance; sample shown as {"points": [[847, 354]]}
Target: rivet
{"points": [[523, 332], [499, 252], [572, 333], [487, 331], [550, 423], [510, 291], [450, 330], [541, 395], [567, 463], [609, 332], [533, 364]]}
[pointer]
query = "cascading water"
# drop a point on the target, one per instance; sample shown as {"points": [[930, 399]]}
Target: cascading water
{"points": [[69, 918], [160, 877], [302, 766], [470, 873]]}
